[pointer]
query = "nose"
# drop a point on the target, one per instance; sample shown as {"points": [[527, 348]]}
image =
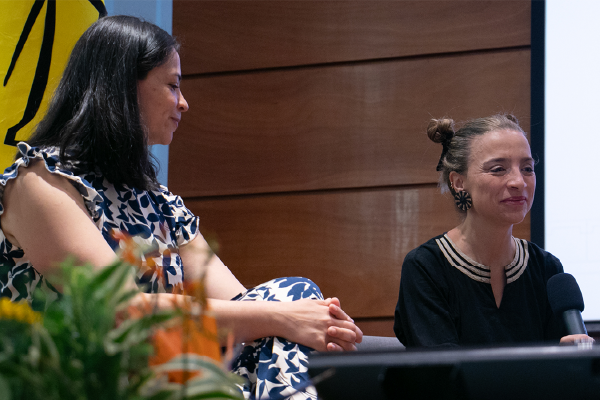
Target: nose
{"points": [[182, 104], [516, 180]]}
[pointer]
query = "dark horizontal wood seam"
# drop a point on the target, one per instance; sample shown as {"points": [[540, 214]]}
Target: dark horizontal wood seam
{"points": [[312, 191], [358, 62]]}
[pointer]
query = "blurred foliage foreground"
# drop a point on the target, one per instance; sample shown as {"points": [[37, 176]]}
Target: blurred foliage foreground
{"points": [[91, 343]]}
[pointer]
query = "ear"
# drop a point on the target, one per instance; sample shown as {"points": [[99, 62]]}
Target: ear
{"points": [[457, 180]]}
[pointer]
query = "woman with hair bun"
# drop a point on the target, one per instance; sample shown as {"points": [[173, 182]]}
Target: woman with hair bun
{"points": [[477, 284], [87, 173]]}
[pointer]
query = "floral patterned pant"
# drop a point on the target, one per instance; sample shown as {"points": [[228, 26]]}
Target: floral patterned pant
{"points": [[275, 368]]}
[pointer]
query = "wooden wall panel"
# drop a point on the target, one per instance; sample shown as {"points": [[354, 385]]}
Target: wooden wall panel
{"points": [[376, 326], [241, 35], [351, 243], [304, 150], [359, 125]]}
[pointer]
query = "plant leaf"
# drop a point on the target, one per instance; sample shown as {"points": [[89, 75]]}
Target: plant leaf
{"points": [[5, 392]]}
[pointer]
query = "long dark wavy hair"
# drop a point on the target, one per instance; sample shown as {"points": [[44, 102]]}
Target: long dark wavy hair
{"points": [[94, 116]]}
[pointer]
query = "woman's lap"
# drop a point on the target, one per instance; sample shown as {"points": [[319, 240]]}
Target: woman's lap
{"points": [[275, 368]]}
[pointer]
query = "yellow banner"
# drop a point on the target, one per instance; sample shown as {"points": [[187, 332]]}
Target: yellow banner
{"points": [[36, 38]]}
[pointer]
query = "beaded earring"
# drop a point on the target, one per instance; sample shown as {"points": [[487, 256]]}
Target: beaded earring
{"points": [[463, 200]]}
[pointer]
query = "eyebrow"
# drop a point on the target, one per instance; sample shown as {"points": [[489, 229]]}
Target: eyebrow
{"points": [[502, 159]]}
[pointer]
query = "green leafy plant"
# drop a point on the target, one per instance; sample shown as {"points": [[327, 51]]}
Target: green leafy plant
{"points": [[75, 350]]}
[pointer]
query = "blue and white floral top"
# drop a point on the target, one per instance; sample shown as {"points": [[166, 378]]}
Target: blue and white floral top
{"points": [[156, 219]]}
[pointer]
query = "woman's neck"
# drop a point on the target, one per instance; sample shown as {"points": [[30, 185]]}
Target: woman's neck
{"points": [[489, 245]]}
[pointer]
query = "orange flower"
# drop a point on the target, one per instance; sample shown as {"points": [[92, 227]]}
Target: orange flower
{"points": [[196, 334], [186, 337], [191, 334], [130, 252]]}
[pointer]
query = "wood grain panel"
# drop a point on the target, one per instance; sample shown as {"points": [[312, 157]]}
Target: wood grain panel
{"points": [[351, 243], [376, 326], [243, 35], [360, 125]]}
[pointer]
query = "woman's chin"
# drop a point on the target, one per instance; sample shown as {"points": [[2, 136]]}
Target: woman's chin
{"points": [[165, 141], [516, 218]]}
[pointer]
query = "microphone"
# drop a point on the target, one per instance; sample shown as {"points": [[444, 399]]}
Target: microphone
{"points": [[566, 299]]}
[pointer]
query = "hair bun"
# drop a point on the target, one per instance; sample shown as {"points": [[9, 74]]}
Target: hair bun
{"points": [[440, 130], [512, 118]]}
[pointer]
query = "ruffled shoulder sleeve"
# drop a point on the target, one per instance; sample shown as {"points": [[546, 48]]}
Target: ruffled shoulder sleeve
{"points": [[91, 197], [182, 222]]}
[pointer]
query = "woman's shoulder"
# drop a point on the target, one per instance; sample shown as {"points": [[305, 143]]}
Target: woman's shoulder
{"points": [[26, 155], [537, 255], [429, 248], [426, 256], [536, 250], [45, 164], [29, 162], [167, 200]]}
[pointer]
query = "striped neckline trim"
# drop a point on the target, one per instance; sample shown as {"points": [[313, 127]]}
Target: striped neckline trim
{"points": [[480, 272]]}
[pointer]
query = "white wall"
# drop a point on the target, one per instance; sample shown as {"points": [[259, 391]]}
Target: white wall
{"points": [[572, 140]]}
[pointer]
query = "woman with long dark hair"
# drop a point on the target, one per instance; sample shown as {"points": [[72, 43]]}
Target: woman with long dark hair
{"points": [[87, 173]]}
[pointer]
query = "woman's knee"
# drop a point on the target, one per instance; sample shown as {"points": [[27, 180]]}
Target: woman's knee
{"points": [[284, 289]]}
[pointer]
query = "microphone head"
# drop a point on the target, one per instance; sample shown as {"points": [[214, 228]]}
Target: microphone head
{"points": [[564, 293]]}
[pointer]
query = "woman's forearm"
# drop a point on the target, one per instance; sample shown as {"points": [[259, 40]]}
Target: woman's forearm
{"points": [[250, 320], [319, 324], [246, 320]]}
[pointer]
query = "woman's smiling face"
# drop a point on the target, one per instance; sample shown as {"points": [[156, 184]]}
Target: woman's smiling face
{"points": [[500, 177], [161, 102]]}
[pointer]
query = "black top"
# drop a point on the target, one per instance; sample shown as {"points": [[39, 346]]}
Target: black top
{"points": [[446, 298]]}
